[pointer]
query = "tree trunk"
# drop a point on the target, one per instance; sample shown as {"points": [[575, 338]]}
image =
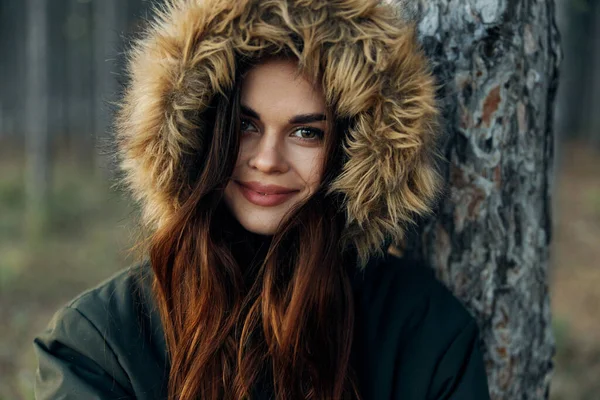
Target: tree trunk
{"points": [[57, 70], [579, 89], [80, 81], [14, 44], [592, 128], [107, 17], [37, 146], [496, 62]]}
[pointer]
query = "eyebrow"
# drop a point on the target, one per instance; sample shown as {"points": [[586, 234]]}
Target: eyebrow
{"points": [[298, 119]]}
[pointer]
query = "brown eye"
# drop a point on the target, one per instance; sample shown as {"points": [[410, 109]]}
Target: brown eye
{"points": [[309, 134], [246, 125]]}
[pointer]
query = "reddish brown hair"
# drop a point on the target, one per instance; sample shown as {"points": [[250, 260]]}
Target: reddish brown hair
{"points": [[288, 314]]}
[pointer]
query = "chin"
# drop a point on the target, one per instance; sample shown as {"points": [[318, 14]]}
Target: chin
{"points": [[260, 226]]}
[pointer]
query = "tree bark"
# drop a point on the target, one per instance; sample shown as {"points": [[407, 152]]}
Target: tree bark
{"points": [[496, 62]]}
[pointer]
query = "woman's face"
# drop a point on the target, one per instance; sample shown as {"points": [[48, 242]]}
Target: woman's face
{"points": [[280, 161]]}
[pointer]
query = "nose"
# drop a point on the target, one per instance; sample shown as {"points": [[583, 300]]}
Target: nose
{"points": [[268, 156]]}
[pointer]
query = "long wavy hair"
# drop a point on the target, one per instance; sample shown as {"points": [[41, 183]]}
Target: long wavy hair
{"points": [[238, 308]]}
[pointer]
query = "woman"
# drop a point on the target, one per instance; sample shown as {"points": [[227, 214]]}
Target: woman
{"points": [[277, 149]]}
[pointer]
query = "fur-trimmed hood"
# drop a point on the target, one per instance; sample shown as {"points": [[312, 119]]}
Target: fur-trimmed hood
{"points": [[372, 72]]}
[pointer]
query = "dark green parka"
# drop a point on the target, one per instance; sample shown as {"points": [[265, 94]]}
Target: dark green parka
{"points": [[413, 339]]}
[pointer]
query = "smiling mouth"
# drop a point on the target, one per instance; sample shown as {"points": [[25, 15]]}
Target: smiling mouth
{"points": [[264, 199]]}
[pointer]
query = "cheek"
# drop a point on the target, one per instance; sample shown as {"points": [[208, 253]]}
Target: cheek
{"points": [[228, 194], [313, 171], [239, 162]]}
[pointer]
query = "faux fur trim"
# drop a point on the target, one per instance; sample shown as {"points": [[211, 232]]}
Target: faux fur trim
{"points": [[373, 72]]}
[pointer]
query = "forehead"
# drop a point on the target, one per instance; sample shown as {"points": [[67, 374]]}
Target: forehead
{"points": [[275, 87]]}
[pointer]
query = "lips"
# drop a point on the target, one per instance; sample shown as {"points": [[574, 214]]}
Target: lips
{"points": [[266, 189], [265, 195]]}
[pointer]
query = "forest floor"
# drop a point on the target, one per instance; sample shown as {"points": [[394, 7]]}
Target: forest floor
{"points": [[87, 241], [90, 232]]}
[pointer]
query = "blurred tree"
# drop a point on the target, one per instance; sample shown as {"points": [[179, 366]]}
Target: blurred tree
{"points": [[80, 80], [497, 62], [13, 43], [579, 92], [109, 20], [3, 67], [83, 62], [592, 125], [37, 144], [57, 70]]}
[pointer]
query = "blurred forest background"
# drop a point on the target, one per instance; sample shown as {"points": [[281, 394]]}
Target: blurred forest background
{"points": [[63, 228]]}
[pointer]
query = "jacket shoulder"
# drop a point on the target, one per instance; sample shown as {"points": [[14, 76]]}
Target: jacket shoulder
{"points": [[411, 289], [105, 343], [122, 307], [121, 293], [415, 339]]}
